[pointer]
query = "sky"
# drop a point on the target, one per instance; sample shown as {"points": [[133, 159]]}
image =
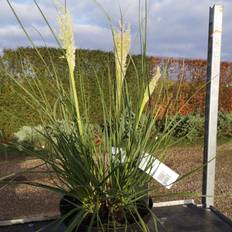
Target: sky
{"points": [[176, 28]]}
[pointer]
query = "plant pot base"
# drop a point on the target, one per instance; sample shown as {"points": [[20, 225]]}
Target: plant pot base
{"points": [[66, 206]]}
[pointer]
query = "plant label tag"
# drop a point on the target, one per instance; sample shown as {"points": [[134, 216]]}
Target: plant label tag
{"points": [[159, 171], [153, 167], [119, 151]]}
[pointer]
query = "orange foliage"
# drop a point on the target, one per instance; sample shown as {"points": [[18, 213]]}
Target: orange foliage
{"points": [[191, 75]]}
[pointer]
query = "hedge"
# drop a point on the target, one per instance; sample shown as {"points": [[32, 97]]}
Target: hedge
{"points": [[24, 63], [188, 76]]}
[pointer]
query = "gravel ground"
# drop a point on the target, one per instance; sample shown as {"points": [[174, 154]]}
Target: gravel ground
{"points": [[22, 201], [182, 160]]}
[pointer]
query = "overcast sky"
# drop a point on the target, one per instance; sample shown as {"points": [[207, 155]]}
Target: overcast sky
{"points": [[176, 27]]}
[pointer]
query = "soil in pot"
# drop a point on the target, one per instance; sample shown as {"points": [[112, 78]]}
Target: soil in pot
{"points": [[67, 204]]}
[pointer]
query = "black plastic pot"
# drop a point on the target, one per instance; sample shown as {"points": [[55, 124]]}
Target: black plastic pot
{"points": [[66, 205]]}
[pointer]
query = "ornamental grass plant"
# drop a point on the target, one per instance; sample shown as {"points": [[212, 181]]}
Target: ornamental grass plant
{"points": [[97, 166]]}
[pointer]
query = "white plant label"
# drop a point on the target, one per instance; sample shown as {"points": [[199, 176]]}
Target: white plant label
{"points": [[159, 171], [155, 168]]}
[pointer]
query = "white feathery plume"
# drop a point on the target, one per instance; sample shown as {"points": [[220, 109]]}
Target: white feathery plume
{"points": [[66, 36], [149, 90], [122, 44]]}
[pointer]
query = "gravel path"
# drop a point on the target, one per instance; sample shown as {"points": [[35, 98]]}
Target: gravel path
{"points": [[22, 201], [183, 160]]}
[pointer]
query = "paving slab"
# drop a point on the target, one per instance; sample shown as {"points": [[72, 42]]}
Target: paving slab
{"points": [[179, 218]]}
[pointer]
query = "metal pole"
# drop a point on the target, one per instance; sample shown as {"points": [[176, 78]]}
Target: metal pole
{"points": [[211, 105]]}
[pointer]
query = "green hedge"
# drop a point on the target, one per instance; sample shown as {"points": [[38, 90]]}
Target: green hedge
{"points": [[225, 124], [190, 127], [26, 63], [183, 129]]}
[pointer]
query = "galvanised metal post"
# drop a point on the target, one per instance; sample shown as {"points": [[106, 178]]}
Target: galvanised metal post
{"points": [[211, 105]]}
